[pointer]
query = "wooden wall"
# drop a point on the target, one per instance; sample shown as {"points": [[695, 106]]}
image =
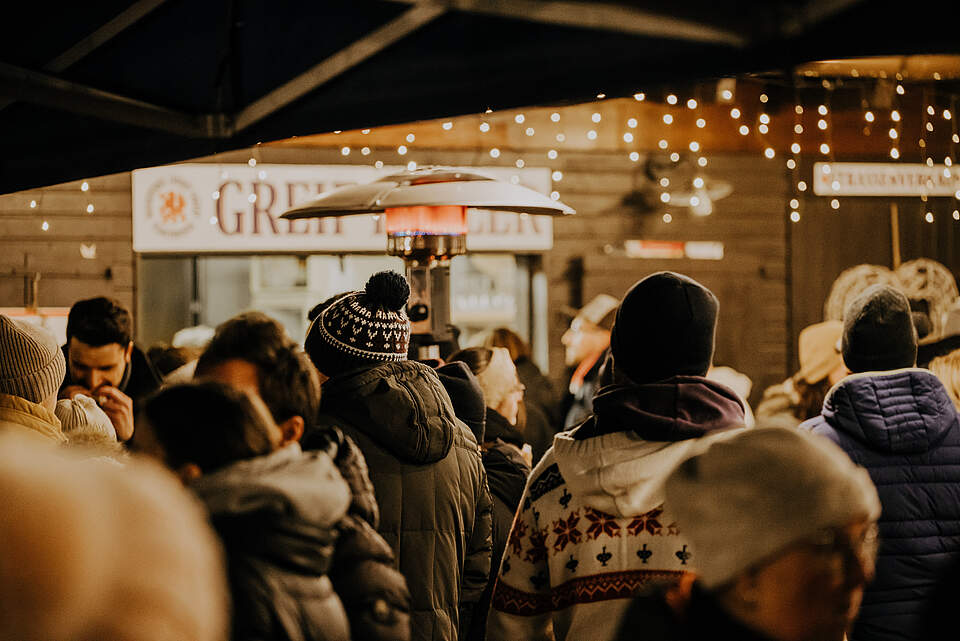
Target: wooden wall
{"points": [[66, 276]]}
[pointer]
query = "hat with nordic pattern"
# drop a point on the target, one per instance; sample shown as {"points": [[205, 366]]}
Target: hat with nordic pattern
{"points": [[362, 328]]}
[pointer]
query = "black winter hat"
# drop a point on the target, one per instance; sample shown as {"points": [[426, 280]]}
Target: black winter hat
{"points": [[878, 331], [362, 328], [466, 395], [664, 327]]}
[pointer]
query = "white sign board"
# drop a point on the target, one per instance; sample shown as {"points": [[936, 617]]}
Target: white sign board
{"points": [[200, 208], [884, 179]]}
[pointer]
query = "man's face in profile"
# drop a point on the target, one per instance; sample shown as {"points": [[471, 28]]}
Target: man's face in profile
{"points": [[92, 366]]}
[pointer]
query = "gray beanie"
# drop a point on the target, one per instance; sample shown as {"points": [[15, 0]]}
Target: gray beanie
{"points": [[31, 363], [750, 496], [878, 331]]}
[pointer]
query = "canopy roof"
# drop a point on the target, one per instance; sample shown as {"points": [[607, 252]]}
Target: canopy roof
{"points": [[89, 89]]}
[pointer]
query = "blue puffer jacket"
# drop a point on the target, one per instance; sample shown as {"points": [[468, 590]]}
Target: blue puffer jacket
{"points": [[902, 426]]}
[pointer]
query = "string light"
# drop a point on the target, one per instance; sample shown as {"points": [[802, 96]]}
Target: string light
{"points": [[555, 117], [765, 119], [215, 195], [628, 137], [555, 195], [411, 137], [667, 218], [798, 129], [947, 115], [411, 166], [929, 217], [663, 144], [763, 129], [632, 123], [252, 162], [691, 104], [702, 161], [494, 153], [484, 127], [956, 214], [601, 96], [402, 149], [744, 130], [795, 216], [378, 164], [671, 99], [592, 135], [84, 186], [769, 152], [822, 110], [895, 116], [667, 119], [795, 148], [764, 98], [701, 123], [734, 113], [634, 156], [519, 118], [798, 109], [366, 131], [869, 117], [835, 204], [252, 198], [794, 203], [90, 208], [557, 176], [664, 182], [675, 157], [694, 146], [931, 110], [824, 149], [45, 226], [552, 154], [345, 151], [665, 197], [698, 182], [801, 186], [561, 137], [791, 163], [365, 151], [519, 163], [639, 97], [726, 94], [900, 89], [822, 124], [893, 133], [529, 131], [596, 117], [33, 204], [894, 153]]}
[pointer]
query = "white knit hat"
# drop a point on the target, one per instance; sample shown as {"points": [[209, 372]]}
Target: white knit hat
{"points": [[750, 496], [81, 414], [31, 363]]}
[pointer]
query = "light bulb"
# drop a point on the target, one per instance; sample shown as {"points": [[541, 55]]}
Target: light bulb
{"points": [[671, 99], [869, 117], [675, 157], [794, 203], [557, 176], [663, 144], [795, 148], [835, 185], [215, 195], [798, 129], [698, 182], [561, 137], [895, 116], [378, 164], [801, 186], [929, 217], [791, 163], [694, 201], [45, 226], [628, 137], [956, 214], [345, 151], [596, 117], [632, 123], [252, 162], [894, 153], [900, 89], [947, 115], [84, 186], [252, 198], [555, 195], [764, 98], [769, 152], [931, 110], [824, 149], [634, 156], [726, 94], [667, 119], [734, 113], [822, 124], [411, 137], [667, 218], [555, 117], [366, 131], [494, 153], [552, 154], [702, 161], [33, 204], [529, 131], [835, 204], [365, 151], [519, 163], [639, 97], [519, 118], [90, 208], [592, 135], [893, 133], [822, 110], [798, 110], [701, 123], [691, 104], [765, 119], [665, 197], [484, 127], [744, 130], [763, 129], [795, 216], [694, 146], [411, 166], [664, 182], [402, 149]]}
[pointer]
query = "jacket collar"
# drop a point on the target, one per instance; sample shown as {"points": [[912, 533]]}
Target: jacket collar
{"points": [[15, 410]]}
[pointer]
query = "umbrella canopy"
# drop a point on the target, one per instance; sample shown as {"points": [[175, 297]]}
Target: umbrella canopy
{"points": [[89, 89]]}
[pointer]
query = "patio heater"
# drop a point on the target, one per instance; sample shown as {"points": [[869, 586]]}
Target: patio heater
{"points": [[425, 214]]}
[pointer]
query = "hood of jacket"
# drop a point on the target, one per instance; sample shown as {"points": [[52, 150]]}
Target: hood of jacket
{"points": [[281, 507], [638, 435], [905, 411], [498, 427], [403, 407], [507, 472], [35, 419]]}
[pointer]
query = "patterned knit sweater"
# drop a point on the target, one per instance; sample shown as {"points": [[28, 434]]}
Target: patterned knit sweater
{"points": [[592, 531]]}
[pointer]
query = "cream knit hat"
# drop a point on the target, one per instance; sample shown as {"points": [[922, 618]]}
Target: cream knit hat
{"points": [[31, 363], [748, 497]]}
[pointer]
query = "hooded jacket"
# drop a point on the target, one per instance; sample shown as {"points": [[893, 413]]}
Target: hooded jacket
{"points": [[276, 516], [430, 486], [593, 530], [902, 426]]}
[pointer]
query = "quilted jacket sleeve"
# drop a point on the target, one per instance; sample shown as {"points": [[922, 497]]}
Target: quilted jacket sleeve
{"points": [[476, 564]]}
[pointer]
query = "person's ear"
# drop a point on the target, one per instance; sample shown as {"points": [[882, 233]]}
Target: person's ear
{"points": [[128, 352], [189, 472], [291, 430]]}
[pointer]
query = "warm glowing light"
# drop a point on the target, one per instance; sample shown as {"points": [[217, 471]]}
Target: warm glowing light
{"points": [[663, 144], [365, 151], [671, 99], [592, 135], [411, 166], [552, 154], [794, 203], [665, 197], [701, 123], [894, 153], [826, 169], [795, 148], [555, 195], [795, 216], [667, 218], [900, 89], [798, 109], [596, 117], [90, 208], [791, 163], [702, 161], [519, 163], [694, 201], [769, 152], [252, 162], [529, 131], [494, 153], [634, 156], [252, 198], [557, 176], [448, 125], [763, 129], [675, 157], [726, 94], [632, 123], [698, 182], [84, 186], [366, 131], [734, 113], [691, 104], [45, 226], [411, 137], [822, 110], [764, 98], [345, 151], [744, 130], [33, 204], [956, 214], [798, 129], [835, 185], [929, 217], [869, 117], [443, 219], [929, 126], [765, 119], [947, 115], [639, 97], [931, 110], [893, 133], [484, 127], [664, 182], [378, 164], [895, 115], [519, 118], [694, 146], [824, 149], [628, 137], [601, 96], [402, 149], [835, 204], [667, 119], [801, 186], [561, 137], [822, 124]]}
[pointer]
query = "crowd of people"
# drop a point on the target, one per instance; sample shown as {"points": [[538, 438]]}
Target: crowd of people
{"points": [[254, 487]]}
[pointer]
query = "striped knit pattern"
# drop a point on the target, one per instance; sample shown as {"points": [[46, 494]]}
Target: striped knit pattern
{"points": [[31, 363], [369, 335]]}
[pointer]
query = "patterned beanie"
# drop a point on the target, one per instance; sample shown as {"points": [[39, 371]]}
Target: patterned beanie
{"points": [[362, 328], [31, 363]]}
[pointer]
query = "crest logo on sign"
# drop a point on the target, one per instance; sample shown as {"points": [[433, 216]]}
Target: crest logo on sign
{"points": [[172, 206]]}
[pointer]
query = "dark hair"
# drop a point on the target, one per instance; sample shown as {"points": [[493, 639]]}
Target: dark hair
{"points": [[476, 358], [209, 424], [100, 321], [812, 396], [288, 381], [509, 339]]}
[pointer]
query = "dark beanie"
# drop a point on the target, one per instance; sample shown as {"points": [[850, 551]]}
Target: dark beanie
{"points": [[878, 331], [466, 395], [361, 329], [664, 327]]}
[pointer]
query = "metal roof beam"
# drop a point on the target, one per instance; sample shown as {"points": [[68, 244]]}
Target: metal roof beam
{"points": [[35, 87], [345, 59], [600, 16]]}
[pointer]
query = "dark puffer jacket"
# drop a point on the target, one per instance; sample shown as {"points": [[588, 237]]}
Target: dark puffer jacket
{"points": [[902, 426], [276, 516], [430, 485]]}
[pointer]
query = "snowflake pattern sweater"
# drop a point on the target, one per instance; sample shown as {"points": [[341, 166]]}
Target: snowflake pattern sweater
{"points": [[592, 530]]}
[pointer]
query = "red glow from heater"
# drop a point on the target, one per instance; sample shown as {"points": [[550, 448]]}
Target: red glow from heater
{"points": [[423, 220]]}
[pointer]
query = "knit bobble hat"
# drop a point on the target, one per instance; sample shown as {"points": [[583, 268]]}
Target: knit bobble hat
{"points": [[878, 331], [31, 363], [362, 328], [750, 496], [664, 327]]}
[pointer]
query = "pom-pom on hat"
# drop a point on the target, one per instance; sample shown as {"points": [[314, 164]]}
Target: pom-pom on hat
{"points": [[362, 328], [878, 331]]}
